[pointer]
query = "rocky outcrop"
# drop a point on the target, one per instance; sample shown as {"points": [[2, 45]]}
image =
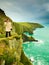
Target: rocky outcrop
{"points": [[28, 38]]}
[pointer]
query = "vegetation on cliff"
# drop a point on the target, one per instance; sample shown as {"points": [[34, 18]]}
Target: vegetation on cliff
{"points": [[11, 52]]}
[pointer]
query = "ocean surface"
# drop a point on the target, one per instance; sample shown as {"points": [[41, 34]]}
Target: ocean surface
{"points": [[38, 51]]}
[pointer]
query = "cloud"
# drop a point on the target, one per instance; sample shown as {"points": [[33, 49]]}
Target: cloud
{"points": [[15, 11], [26, 10], [46, 6]]}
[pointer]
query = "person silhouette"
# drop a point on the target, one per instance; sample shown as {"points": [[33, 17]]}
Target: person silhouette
{"points": [[8, 27]]}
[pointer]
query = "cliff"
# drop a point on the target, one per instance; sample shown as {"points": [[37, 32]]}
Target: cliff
{"points": [[11, 51]]}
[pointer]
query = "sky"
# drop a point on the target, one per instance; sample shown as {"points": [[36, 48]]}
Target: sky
{"points": [[26, 10]]}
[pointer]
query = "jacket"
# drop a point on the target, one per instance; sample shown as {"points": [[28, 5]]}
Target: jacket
{"points": [[8, 26]]}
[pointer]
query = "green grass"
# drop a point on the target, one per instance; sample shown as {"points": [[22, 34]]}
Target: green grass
{"points": [[24, 59]]}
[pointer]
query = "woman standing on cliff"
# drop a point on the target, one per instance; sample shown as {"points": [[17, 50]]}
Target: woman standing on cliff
{"points": [[8, 27]]}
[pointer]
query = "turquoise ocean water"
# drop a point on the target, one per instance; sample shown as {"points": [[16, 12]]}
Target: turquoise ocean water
{"points": [[39, 51]]}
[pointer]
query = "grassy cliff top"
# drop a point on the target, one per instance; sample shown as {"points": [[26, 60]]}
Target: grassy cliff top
{"points": [[17, 27]]}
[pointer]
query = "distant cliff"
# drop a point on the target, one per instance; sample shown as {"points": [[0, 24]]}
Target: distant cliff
{"points": [[11, 51]]}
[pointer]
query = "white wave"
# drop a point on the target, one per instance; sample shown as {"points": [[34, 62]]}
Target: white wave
{"points": [[26, 42], [40, 41], [39, 62], [32, 59]]}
